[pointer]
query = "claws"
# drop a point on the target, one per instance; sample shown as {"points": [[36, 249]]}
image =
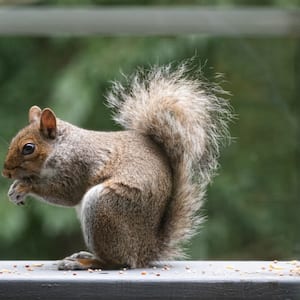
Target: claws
{"points": [[17, 192], [79, 261]]}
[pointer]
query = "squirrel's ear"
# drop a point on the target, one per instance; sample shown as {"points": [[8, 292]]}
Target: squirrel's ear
{"points": [[48, 123], [34, 114]]}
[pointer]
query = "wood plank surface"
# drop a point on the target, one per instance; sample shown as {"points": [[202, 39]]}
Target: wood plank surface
{"points": [[170, 280]]}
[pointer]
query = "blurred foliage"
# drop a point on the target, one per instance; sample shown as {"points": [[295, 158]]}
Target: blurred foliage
{"points": [[253, 205]]}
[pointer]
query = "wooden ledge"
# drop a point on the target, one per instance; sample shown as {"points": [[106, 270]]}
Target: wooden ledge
{"points": [[172, 280]]}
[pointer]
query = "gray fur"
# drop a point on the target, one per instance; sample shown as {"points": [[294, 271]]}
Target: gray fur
{"points": [[138, 191]]}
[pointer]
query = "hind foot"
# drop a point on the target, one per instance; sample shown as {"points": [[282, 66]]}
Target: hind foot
{"points": [[80, 261]]}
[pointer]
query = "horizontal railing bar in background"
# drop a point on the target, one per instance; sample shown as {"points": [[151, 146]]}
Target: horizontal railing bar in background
{"points": [[148, 20]]}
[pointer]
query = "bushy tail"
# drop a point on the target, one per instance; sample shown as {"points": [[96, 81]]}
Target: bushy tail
{"points": [[182, 114]]}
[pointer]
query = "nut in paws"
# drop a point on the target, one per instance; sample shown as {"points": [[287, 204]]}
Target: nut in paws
{"points": [[18, 192]]}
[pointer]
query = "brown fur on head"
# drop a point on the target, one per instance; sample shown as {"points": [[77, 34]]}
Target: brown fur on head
{"points": [[30, 147]]}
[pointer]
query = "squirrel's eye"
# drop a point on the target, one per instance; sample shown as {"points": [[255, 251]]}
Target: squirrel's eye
{"points": [[28, 148]]}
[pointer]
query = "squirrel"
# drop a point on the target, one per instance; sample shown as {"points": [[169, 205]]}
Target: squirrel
{"points": [[137, 191]]}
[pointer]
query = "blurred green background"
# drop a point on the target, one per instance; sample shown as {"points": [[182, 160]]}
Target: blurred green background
{"points": [[253, 205]]}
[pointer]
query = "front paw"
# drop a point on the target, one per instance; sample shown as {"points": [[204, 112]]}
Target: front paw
{"points": [[18, 192]]}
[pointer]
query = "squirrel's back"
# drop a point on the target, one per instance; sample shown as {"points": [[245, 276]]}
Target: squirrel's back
{"points": [[183, 116]]}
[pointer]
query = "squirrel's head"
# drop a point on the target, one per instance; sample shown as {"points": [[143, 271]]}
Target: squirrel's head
{"points": [[31, 146]]}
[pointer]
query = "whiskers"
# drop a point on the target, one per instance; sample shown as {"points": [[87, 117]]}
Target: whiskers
{"points": [[4, 141]]}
